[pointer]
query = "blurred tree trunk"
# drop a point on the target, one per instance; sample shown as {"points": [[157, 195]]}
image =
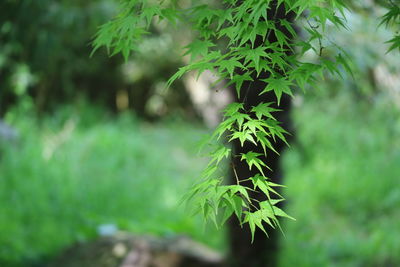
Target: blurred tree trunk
{"points": [[263, 252]]}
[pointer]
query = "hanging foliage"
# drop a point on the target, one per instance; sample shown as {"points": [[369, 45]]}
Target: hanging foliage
{"points": [[225, 43]]}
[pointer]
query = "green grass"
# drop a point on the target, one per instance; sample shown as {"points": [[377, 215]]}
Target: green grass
{"points": [[343, 184], [79, 170], [342, 177]]}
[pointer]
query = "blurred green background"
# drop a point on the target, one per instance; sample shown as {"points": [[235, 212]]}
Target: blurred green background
{"points": [[94, 141]]}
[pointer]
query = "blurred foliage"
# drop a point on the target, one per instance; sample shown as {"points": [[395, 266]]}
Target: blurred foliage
{"points": [[347, 151], [84, 168], [364, 41], [349, 154], [47, 57], [45, 60]]}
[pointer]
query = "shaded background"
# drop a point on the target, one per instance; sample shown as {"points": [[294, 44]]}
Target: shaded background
{"points": [[94, 143]]}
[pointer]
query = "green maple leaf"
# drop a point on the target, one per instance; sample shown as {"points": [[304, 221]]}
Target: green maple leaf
{"points": [[254, 126], [395, 43], [274, 211], [232, 109], [220, 153], [262, 138], [243, 136], [198, 48], [261, 183], [276, 130], [240, 118], [238, 81], [242, 190], [279, 86], [264, 109], [252, 159], [229, 65], [149, 12], [254, 55]]}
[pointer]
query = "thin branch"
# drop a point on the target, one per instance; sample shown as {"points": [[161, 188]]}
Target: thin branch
{"points": [[321, 48], [236, 176]]}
